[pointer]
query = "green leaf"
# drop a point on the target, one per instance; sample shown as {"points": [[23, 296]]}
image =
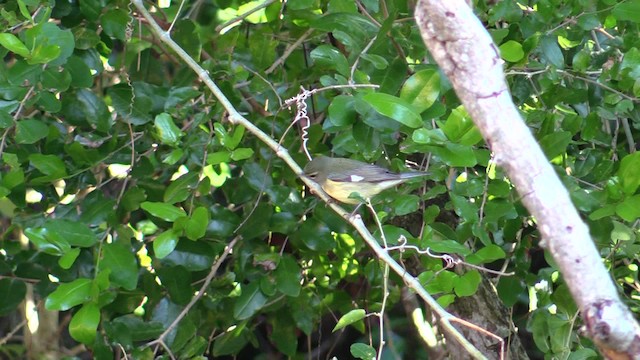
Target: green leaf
{"points": [[6, 120], [629, 209], [84, 324], [509, 289], [233, 140], [180, 189], [603, 212], [250, 301], [285, 334], [551, 51], [24, 11], [13, 44], [187, 34], [193, 255], [341, 110], [487, 254], [177, 280], [83, 107], [422, 89], [288, 275], [555, 144], [350, 318], [50, 165], [405, 204], [122, 263], [51, 40], [468, 211], [44, 54], [134, 110], [257, 177], [511, 51], [241, 154], [80, 72], [30, 131], [467, 284], [13, 292], [196, 226], [167, 130], [622, 232], [627, 11], [629, 173], [67, 260], [362, 351], [48, 101], [230, 342], [163, 211], [47, 241], [395, 108], [497, 209], [218, 157], [326, 56], [69, 295], [460, 128], [74, 232], [315, 235], [378, 61], [455, 155], [114, 23], [165, 243]]}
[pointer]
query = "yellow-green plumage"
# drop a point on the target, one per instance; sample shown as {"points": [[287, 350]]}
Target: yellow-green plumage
{"points": [[340, 177]]}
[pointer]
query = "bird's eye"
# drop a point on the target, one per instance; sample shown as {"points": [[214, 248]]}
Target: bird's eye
{"points": [[312, 175]]}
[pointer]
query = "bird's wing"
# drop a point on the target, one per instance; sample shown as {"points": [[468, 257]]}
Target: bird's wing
{"points": [[371, 173]]}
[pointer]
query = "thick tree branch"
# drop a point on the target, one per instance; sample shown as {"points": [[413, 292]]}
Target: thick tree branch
{"points": [[466, 53]]}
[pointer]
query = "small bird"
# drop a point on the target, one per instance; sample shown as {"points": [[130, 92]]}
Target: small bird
{"points": [[340, 177]]}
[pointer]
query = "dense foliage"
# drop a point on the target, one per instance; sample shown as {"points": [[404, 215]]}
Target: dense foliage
{"points": [[122, 182]]}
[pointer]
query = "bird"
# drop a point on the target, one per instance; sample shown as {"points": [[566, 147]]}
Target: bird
{"points": [[340, 177]]}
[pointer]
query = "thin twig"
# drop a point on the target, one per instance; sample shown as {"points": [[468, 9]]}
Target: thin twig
{"points": [[13, 331], [201, 292], [288, 51], [627, 133], [385, 282], [606, 87], [175, 18], [355, 63]]}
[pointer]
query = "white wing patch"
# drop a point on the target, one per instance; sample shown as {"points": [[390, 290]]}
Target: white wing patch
{"points": [[356, 178]]}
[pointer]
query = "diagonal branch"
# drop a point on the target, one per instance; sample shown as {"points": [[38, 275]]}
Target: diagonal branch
{"points": [[466, 53]]}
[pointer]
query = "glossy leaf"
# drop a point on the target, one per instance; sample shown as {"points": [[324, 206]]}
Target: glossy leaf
{"points": [[75, 233], [167, 130], [197, 225], [69, 295], [30, 131], [629, 173], [122, 263], [422, 89], [84, 323], [349, 318], [288, 276], [163, 211], [250, 301], [511, 51], [362, 351], [165, 243], [14, 292], [395, 108], [13, 44]]}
